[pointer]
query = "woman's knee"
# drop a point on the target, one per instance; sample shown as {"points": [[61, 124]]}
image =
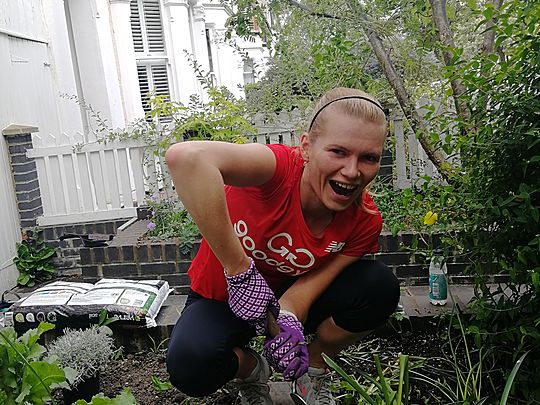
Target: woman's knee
{"points": [[197, 369], [375, 298], [200, 358], [387, 284]]}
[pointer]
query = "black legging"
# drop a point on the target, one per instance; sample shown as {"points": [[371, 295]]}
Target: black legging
{"points": [[200, 358]]}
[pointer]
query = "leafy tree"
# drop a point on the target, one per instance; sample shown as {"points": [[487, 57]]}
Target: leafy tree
{"points": [[395, 31], [310, 57], [481, 57], [501, 161]]}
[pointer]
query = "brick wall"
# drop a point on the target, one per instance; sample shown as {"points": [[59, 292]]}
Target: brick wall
{"points": [[27, 192], [131, 256], [127, 256], [68, 259], [162, 261], [411, 266]]}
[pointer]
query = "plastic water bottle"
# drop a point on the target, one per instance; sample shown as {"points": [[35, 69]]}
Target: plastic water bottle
{"points": [[438, 288]]}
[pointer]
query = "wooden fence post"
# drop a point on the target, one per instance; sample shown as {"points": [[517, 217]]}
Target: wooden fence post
{"points": [[402, 180]]}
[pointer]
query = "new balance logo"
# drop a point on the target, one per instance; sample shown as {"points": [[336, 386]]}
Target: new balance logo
{"points": [[334, 247]]}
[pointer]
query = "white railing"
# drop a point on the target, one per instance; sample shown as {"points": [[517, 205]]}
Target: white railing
{"points": [[92, 182], [107, 181], [410, 161], [83, 182]]}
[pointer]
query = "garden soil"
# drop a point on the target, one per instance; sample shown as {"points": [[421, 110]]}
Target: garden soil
{"points": [[136, 370]]}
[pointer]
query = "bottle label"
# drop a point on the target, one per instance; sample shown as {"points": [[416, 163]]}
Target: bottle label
{"points": [[437, 287]]}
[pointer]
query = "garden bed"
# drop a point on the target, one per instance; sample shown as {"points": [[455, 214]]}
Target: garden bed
{"points": [[136, 370]]}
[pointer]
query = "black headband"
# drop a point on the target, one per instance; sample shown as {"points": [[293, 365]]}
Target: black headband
{"points": [[345, 98]]}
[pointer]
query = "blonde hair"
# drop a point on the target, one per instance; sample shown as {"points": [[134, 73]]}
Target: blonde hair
{"points": [[352, 102]]}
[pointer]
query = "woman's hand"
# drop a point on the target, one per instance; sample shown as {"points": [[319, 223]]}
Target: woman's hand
{"points": [[287, 352], [250, 297]]}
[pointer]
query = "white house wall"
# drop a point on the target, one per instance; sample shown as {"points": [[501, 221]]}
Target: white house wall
{"points": [[125, 57], [33, 73], [83, 48], [10, 232], [228, 64], [185, 23], [96, 62], [63, 75]]}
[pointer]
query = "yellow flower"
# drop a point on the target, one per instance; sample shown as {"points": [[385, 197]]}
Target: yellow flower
{"points": [[430, 218]]}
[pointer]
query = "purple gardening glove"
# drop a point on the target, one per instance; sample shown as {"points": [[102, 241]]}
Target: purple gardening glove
{"points": [[250, 297], [287, 352]]}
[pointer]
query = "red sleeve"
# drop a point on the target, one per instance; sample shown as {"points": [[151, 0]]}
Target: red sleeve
{"points": [[287, 158], [365, 237]]}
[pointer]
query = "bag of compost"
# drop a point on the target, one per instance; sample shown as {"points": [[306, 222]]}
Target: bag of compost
{"points": [[79, 304]]}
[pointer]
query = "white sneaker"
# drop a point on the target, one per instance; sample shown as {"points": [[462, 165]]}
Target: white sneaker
{"points": [[315, 387], [254, 390]]}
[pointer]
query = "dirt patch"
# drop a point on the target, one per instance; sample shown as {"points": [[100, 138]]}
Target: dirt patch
{"points": [[136, 370]]}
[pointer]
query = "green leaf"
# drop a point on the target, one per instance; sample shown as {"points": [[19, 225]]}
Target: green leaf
{"points": [[535, 278], [350, 380], [511, 378], [159, 385], [31, 336], [23, 279], [489, 11], [125, 398], [40, 379]]}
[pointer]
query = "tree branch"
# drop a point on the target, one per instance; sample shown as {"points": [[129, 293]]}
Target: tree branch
{"points": [[416, 121], [489, 37], [446, 38], [311, 11]]}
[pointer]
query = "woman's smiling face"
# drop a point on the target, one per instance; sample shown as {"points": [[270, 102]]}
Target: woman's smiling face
{"points": [[342, 160]]}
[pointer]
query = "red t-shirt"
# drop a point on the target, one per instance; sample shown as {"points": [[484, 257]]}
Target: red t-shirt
{"points": [[269, 222]]}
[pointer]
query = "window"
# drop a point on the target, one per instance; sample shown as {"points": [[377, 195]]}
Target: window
{"points": [[152, 80], [212, 73], [249, 71], [150, 52]]}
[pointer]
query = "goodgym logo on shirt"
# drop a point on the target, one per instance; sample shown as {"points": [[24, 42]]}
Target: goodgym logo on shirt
{"points": [[280, 246]]}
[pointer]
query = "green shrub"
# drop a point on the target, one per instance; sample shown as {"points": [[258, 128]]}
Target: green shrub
{"points": [[501, 160], [34, 260], [25, 377], [87, 351], [170, 220]]}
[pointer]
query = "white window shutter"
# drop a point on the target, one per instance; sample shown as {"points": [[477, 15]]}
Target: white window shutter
{"points": [[136, 29], [153, 81], [154, 27], [160, 80], [145, 88], [150, 51]]}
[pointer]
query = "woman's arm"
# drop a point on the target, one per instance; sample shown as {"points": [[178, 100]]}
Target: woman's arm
{"points": [[302, 294], [199, 171]]}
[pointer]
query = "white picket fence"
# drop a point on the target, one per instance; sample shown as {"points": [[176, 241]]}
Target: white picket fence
{"points": [[410, 161], [102, 181], [91, 183], [108, 181]]}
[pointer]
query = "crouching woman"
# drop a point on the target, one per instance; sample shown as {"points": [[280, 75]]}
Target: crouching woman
{"points": [[284, 230]]}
